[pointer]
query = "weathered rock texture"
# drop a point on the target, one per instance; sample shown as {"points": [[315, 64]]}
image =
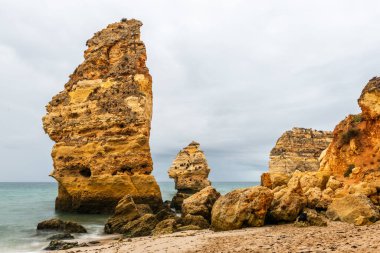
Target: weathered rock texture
{"points": [[353, 208], [200, 203], [101, 125], [190, 172], [241, 208], [354, 154], [298, 149]]}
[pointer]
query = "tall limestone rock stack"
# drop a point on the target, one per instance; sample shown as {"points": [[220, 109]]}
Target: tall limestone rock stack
{"points": [[101, 125], [190, 172], [354, 154], [297, 149]]}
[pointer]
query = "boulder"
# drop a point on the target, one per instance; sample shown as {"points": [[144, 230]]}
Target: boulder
{"points": [[273, 180], [200, 203], [190, 173], [125, 211], [196, 220], [168, 226], [307, 180], [286, 205], [100, 123], [60, 225], [353, 208], [326, 198], [310, 217], [142, 226], [59, 245], [65, 236], [313, 196], [333, 183], [241, 208]]}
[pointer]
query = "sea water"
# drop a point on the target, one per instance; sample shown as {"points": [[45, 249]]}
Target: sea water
{"points": [[24, 205]]}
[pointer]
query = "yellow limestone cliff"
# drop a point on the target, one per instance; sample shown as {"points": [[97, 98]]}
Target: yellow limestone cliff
{"points": [[100, 124]]}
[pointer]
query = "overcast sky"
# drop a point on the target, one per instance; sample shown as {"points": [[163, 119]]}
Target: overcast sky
{"points": [[232, 75]]}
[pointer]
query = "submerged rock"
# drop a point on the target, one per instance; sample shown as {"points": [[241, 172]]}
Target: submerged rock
{"points": [[100, 124], [60, 225], [241, 208], [65, 236], [59, 245], [190, 173]]}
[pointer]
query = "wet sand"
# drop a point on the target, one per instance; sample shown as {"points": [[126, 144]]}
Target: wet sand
{"points": [[336, 237]]}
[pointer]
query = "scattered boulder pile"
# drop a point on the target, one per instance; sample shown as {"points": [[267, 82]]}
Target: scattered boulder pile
{"points": [[190, 173], [296, 150], [134, 220], [347, 185], [307, 197], [100, 124]]}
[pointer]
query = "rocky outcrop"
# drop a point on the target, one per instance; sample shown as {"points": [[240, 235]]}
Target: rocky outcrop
{"points": [[353, 208], [298, 149], [241, 208], [354, 154], [190, 173], [100, 124], [60, 225], [200, 203], [125, 211]]}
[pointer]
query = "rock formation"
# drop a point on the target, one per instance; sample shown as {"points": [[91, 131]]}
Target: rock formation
{"points": [[200, 203], [190, 171], [101, 125], [354, 154], [353, 208], [298, 149], [60, 225], [241, 208]]}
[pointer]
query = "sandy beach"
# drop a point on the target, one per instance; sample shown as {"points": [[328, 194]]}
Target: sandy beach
{"points": [[336, 237]]}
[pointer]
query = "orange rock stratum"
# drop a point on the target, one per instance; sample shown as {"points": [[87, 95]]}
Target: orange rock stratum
{"points": [[354, 154], [101, 125]]}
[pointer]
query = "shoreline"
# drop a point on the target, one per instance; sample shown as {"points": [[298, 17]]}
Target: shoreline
{"points": [[336, 237]]}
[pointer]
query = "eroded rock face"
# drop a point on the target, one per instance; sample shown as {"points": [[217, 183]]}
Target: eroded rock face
{"points": [[101, 125], [241, 208], [298, 149], [190, 173], [354, 154]]}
